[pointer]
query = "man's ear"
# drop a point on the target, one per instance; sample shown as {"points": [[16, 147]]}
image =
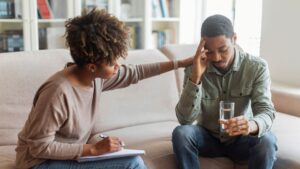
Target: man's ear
{"points": [[233, 39]]}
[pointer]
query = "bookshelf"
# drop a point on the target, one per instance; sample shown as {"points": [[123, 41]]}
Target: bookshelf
{"points": [[12, 24], [165, 22], [39, 24]]}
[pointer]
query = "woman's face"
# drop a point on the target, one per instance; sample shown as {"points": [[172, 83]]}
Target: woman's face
{"points": [[106, 71]]}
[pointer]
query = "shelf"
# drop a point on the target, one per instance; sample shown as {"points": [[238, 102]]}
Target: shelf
{"points": [[11, 20], [165, 19], [51, 20], [132, 20], [137, 15]]}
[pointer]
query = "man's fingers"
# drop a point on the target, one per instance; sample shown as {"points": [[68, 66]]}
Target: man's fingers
{"points": [[200, 47]]}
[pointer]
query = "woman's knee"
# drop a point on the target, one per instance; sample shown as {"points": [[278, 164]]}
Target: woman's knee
{"points": [[137, 163]]}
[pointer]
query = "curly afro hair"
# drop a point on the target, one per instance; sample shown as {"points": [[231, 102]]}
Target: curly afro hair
{"points": [[96, 37]]}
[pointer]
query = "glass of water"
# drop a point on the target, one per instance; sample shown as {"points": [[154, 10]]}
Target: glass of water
{"points": [[226, 110]]}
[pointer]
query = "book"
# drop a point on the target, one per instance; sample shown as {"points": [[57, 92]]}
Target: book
{"points": [[18, 9], [118, 154], [164, 8], [100, 4], [7, 9], [44, 9], [11, 41], [135, 37], [43, 38], [156, 9]]}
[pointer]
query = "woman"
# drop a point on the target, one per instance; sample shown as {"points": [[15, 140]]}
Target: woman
{"points": [[61, 119]]}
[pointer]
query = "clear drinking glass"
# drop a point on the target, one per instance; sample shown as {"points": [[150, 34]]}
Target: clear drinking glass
{"points": [[226, 110]]}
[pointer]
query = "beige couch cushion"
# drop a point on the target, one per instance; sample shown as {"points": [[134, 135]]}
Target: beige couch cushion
{"points": [[150, 100], [7, 157], [286, 128]]}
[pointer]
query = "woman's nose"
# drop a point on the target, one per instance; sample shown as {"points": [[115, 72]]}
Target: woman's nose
{"points": [[116, 67]]}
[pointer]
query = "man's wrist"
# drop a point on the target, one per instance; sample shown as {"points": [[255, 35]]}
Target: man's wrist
{"points": [[195, 80], [253, 127]]}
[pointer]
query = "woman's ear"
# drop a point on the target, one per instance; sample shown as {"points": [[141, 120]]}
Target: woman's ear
{"points": [[91, 67]]}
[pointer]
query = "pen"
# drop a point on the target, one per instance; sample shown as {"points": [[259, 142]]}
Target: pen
{"points": [[103, 136]]}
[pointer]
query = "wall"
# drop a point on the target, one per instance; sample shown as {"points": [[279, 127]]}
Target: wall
{"points": [[280, 40]]}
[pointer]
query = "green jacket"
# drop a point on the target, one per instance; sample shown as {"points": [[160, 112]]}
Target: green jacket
{"points": [[247, 83]]}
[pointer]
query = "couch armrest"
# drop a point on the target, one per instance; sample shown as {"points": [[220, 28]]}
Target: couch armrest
{"points": [[286, 99]]}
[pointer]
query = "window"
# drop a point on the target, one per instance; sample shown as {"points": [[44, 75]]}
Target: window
{"points": [[245, 15]]}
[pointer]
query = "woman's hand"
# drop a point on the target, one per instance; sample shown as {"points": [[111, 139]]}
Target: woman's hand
{"points": [[199, 63], [239, 126], [107, 145], [186, 62]]}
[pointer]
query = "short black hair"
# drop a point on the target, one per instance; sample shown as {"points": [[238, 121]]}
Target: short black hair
{"points": [[217, 25]]}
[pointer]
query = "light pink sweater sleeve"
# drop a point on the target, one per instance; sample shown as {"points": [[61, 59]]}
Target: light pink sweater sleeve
{"points": [[131, 74]]}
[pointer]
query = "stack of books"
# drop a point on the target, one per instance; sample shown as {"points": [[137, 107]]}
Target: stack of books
{"points": [[11, 41]]}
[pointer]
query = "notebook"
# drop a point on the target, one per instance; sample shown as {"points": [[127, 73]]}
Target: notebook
{"points": [[118, 154]]}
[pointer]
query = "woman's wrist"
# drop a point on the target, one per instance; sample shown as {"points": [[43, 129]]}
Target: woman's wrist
{"points": [[88, 150], [176, 64]]}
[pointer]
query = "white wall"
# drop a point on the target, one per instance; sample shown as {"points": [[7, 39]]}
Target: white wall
{"points": [[189, 20], [280, 40]]}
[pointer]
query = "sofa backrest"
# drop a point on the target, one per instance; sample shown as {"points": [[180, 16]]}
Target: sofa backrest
{"points": [[22, 73], [286, 99], [149, 101], [175, 52]]}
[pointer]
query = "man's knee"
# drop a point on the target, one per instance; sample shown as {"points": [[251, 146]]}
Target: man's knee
{"points": [[181, 133], [267, 145]]}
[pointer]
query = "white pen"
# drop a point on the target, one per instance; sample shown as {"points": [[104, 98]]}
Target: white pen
{"points": [[103, 136]]}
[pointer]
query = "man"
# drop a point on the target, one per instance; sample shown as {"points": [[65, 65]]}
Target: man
{"points": [[222, 71]]}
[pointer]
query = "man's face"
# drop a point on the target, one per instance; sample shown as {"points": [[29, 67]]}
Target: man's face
{"points": [[220, 51]]}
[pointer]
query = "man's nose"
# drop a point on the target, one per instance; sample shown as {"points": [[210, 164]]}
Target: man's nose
{"points": [[216, 56]]}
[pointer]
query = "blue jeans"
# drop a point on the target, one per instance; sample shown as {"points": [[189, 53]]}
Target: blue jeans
{"points": [[120, 163], [190, 142]]}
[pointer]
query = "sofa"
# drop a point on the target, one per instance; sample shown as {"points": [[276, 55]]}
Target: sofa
{"points": [[142, 114]]}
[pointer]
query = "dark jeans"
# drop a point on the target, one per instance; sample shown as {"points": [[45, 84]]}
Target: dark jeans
{"points": [[190, 142]]}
